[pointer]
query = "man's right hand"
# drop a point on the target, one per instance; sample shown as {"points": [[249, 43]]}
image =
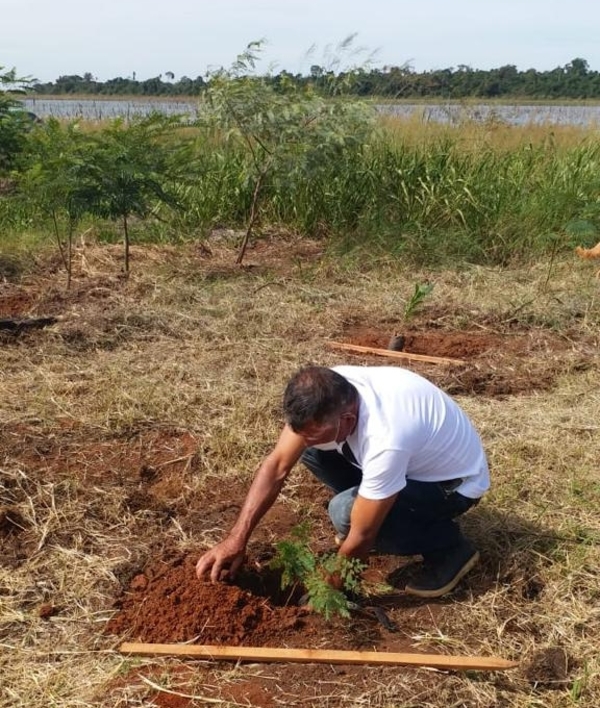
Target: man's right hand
{"points": [[222, 561]]}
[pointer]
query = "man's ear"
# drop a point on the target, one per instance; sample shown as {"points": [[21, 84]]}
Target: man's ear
{"points": [[354, 416]]}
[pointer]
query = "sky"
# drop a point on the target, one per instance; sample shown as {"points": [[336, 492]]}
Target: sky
{"points": [[46, 39]]}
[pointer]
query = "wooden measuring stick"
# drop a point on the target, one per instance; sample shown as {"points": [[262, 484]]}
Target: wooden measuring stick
{"points": [[359, 349], [322, 656]]}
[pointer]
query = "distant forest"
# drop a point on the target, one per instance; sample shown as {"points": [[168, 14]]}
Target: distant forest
{"points": [[575, 80]]}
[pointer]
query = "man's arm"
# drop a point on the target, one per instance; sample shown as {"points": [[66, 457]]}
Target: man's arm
{"points": [[365, 521], [225, 558]]}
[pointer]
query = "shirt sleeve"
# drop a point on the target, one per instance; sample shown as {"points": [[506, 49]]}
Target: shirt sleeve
{"points": [[384, 474]]}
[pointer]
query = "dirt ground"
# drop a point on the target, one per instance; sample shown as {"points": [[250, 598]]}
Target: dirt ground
{"points": [[146, 473]]}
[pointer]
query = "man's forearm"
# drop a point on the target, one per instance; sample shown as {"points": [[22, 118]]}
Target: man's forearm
{"points": [[262, 494], [366, 518]]}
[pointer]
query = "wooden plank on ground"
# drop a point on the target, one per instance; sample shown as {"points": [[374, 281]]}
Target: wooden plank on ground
{"points": [[323, 656], [359, 349]]}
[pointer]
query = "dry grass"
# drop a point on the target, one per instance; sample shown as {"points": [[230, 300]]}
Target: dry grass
{"points": [[191, 346], [473, 135]]}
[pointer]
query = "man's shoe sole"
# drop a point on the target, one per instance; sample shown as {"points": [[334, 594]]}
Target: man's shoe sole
{"points": [[438, 592]]}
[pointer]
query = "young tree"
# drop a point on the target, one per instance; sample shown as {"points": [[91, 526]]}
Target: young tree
{"points": [[134, 170], [288, 131], [15, 122], [59, 180]]}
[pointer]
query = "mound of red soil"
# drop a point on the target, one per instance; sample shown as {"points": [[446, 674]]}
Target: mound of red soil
{"points": [[169, 604]]}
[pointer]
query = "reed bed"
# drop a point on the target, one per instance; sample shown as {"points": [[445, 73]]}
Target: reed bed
{"points": [[483, 192], [428, 194]]}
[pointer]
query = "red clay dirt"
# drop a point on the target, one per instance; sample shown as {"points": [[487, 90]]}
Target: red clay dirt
{"points": [[504, 360], [167, 603]]}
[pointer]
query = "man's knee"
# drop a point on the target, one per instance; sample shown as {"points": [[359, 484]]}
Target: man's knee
{"points": [[340, 508]]}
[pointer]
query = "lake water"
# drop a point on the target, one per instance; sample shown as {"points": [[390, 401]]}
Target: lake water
{"points": [[102, 109]]}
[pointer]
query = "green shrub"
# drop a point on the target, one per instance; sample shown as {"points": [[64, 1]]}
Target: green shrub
{"points": [[15, 123], [300, 566]]}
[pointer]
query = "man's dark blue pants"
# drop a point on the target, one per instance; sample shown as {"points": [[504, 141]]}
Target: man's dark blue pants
{"points": [[421, 520]]}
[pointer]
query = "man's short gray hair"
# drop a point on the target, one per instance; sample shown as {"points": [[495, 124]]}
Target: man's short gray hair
{"points": [[316, 394]]}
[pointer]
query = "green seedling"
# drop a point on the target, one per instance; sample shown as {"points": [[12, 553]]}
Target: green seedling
{"points": [[422, 290], [302, 568]]}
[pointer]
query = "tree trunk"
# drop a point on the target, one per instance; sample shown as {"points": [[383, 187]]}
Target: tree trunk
{"points": [[126, 243]]}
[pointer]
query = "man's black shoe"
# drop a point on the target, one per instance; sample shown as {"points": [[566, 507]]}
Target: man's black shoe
{"points": [[442, 570]]}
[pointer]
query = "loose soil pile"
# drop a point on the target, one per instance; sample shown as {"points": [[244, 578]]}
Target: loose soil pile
{"points": [[167, 603]]}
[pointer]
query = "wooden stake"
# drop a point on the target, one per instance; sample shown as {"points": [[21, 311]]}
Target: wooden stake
{"points": [[358, 349], [322, 656]]}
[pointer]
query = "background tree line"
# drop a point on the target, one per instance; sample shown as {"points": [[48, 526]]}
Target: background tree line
{"points": [[574, 80]]}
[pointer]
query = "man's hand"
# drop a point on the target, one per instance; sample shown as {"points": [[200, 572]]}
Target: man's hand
{"points": [[222, 561]]}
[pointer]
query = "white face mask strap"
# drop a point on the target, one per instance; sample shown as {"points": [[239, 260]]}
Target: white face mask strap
{"points": [[331, 446]]}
